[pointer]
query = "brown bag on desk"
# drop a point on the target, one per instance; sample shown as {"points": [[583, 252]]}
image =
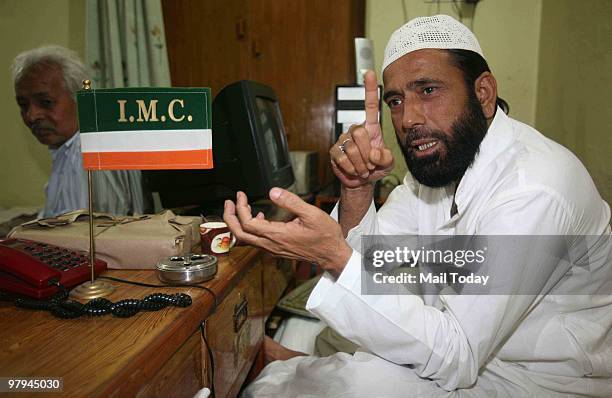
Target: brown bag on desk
{"points": [[123, 242]]}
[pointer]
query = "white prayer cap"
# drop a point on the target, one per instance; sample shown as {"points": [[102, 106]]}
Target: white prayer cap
{"points": [[438, 31]]}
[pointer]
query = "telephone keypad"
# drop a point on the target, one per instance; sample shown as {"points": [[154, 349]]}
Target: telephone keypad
{"points": [[28, 267], [59, 258]]}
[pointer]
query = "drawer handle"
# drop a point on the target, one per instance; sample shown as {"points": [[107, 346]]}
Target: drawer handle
{"points": [[241, 313]]}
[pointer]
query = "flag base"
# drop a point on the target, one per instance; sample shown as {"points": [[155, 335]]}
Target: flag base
{"points": [[91, 290]]}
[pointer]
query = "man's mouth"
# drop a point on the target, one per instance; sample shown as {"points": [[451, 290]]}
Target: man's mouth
{"points": [[42, 131], [425, 146]]}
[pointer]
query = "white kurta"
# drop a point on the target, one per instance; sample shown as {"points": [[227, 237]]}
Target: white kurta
{"points": [[543, 344]]}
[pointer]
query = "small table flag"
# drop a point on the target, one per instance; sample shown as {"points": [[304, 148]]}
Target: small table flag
{"points": [[145, 128]]}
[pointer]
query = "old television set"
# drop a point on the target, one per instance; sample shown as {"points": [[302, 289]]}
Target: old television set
{"points": [[250, 153]]}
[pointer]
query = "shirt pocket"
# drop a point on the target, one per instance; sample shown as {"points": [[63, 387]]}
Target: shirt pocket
{"points": [[592, 340]]}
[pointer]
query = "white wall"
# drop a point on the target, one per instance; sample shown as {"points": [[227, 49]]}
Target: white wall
{"points": [[575, 83]]}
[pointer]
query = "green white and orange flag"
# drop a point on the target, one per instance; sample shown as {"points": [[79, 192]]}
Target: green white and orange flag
{"points": [[145, 128]]}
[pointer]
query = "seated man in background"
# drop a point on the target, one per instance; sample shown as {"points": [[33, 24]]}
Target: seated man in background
{"points": [[46, 80], [474, 172]]}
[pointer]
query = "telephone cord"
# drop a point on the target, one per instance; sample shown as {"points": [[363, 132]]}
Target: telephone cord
{"points": [[61, 307]]}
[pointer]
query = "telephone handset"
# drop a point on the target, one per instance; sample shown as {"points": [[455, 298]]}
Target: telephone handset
{"points": [[33, 268]]}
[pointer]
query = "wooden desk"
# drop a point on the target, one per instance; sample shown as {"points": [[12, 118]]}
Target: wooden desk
{"points": [[160, 353]]}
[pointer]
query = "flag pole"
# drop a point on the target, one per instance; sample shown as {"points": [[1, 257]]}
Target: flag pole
{"points": [[92, 289], [92, 241]]}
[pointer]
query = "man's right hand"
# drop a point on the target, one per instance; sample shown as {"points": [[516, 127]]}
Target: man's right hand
{"points": [[360, 156]]}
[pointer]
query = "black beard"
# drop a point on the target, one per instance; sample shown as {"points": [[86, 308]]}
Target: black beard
{"points": [[461, 147]]}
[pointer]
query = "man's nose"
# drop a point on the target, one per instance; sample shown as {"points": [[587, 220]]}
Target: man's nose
{"points": [[32, 114], [413, 113]]}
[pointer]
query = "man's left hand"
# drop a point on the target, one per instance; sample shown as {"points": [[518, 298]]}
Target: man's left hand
{"points": [[312, 235]]}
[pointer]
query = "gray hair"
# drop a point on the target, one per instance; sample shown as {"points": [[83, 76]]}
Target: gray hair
{"points": [[67, 60]]}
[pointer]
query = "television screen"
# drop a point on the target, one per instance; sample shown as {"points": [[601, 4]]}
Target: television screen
{"points": [[271, 126]]}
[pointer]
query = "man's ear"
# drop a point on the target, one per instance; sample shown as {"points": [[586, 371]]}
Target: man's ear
{"points": [[486, 92]]}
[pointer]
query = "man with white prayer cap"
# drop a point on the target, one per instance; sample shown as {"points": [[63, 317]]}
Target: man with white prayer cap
{"points": [[541, 328]]}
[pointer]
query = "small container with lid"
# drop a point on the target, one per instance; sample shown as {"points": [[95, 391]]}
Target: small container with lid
{"points": [[188, 269]]}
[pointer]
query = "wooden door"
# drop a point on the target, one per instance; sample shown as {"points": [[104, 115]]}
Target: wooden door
{"points": [[300, 48], [303, 49], [207, 42]]}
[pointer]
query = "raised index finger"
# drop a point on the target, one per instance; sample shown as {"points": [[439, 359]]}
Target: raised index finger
{"points": [[371, 97]]}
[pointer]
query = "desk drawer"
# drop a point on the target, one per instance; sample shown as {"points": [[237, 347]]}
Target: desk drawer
{"points": [[181, 376], [277, 273], [235, 332]]}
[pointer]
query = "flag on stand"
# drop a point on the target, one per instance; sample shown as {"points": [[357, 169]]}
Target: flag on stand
{"points": [[145, 128]]}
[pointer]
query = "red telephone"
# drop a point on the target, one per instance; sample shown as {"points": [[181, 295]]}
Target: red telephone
{"points": [[31, 268]]}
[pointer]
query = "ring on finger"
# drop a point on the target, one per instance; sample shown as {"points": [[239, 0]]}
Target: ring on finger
{"points": [[342, 146]]}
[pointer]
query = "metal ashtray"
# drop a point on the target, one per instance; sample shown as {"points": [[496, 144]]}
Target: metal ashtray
{"points": [[188, 269]]}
